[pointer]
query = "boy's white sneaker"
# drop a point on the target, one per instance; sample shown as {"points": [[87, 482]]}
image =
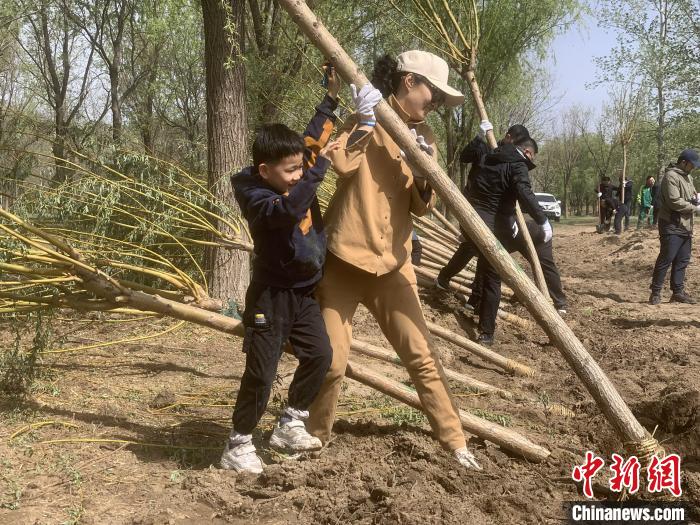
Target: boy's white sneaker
{"points": [[293, 436], [241, 458]]}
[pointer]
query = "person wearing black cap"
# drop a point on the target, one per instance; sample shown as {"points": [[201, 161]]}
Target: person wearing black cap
{"points": [[472, 154], [478, 148], [677, 203], [500, 180]]}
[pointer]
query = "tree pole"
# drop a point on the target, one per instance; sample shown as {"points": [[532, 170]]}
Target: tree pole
{"points": [[600, 387]]}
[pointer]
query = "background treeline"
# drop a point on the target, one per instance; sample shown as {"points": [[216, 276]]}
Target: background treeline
{"points": [[116, 81]]}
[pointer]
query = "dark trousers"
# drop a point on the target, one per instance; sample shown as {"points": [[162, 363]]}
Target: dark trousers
{"points": [[674, 253], [606, 210], [466, 250], [491, 294], [486, 288], [272, 316], [545, 254], [623, 212]]}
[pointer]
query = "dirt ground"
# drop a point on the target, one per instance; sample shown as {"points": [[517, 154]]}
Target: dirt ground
{"points": [[132, 433]]}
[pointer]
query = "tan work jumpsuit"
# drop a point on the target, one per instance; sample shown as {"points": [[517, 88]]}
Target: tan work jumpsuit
{"points": [[369, 227]]}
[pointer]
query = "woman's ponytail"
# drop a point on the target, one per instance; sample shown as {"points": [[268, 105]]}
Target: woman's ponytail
{"points": [[385, 77]]}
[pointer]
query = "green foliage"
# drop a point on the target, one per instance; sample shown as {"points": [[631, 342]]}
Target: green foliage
{"points": [[502, 419], [655, 50], [397, 413], [138, 211], [19, 364]]}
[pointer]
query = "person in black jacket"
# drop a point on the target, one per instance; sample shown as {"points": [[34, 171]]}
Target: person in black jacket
{"points": [[607, 204], [473, 153], [277, 196], [500, 181]]}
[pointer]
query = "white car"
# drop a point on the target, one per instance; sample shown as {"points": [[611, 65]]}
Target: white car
{"points": [[550, 205]]}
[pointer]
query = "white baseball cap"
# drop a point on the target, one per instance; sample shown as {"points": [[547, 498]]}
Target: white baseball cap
{"points": [[433, 68]]}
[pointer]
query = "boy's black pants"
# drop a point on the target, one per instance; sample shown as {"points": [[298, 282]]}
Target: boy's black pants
{"points": [[272, 316]]}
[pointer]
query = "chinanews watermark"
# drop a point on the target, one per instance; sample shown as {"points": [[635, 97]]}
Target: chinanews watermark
{"points": [[660, 476]]}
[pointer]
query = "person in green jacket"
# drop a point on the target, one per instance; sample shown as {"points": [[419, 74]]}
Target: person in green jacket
{"points": [[678, 202], [645, 206]]}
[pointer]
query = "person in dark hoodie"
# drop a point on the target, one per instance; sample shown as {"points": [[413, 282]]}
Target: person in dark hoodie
{"points": [[473, 153], [500, 181], [277, 196], [607, 203]]}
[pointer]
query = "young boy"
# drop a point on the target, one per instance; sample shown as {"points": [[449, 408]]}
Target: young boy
{"points": [[277, 196]]}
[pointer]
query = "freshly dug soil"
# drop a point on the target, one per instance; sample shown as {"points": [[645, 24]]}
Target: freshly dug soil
{"points": [[138, 428]]}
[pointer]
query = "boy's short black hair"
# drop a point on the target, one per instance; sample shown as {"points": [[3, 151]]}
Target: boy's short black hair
{"points": [[518, 132], [605, 179], [273, 142], [528, 142]]}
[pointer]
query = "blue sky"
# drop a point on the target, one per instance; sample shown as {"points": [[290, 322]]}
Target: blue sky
{"points": [[572, 66]]}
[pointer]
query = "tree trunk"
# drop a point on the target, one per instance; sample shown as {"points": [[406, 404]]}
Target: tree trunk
{"points": [[451, 146], [624, 172], [227, 270], [661, 124], [58, 148], [115, 100], [147, 126], [148, 120]]}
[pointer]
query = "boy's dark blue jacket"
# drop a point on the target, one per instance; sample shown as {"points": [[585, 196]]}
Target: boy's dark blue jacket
{"points": [[288, 236]]}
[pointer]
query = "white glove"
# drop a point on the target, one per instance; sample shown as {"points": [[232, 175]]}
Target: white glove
{"points": [[484, 128], [422, 144], [365, 101], [600, 195], [515, 230], [547, 228]]}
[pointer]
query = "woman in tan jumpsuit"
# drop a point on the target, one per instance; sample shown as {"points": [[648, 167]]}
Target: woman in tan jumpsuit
{"points": [[369, 225]]}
